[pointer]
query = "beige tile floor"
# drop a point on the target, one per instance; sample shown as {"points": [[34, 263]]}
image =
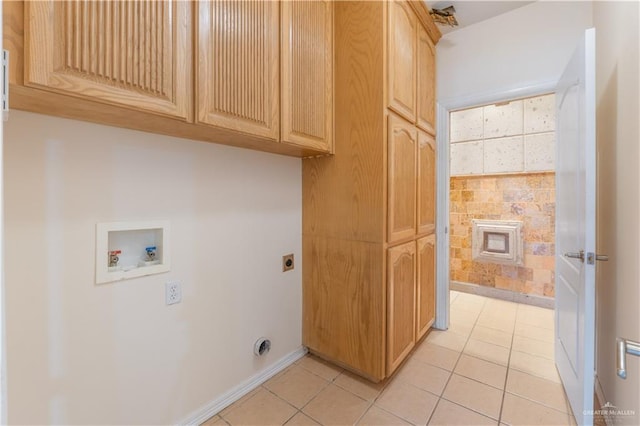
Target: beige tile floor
{"points": [[493, 366]]}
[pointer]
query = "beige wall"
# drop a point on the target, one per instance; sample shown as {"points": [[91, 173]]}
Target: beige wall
{"points": [[114, 353], [618, 139]]}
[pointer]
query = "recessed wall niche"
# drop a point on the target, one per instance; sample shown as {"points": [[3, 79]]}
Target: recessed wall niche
{"points": [[127, 250], [498, 241]]}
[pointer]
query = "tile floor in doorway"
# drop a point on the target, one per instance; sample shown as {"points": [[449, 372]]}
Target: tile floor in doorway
{"points": [[494, 365]]}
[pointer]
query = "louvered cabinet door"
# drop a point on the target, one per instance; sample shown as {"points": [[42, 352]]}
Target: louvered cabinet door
{"points": [[402, 141], [402, 59], [426, 183], [130, 53], [238, 66], [401, 303], [425, 285], [426, 102], [307, 73]]}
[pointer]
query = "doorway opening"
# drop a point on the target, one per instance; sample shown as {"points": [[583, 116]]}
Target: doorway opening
{"points": [[502, 200], [500, 242]]}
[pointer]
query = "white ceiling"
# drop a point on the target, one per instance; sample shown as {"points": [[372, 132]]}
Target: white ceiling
{"points": [[472, 11]]}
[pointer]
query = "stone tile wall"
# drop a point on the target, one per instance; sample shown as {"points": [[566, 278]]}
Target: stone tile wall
{"points": [[526, 197], [514, 137]]}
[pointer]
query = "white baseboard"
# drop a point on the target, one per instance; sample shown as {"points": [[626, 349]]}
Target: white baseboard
{"points": [[498, 293], [212, 408]]}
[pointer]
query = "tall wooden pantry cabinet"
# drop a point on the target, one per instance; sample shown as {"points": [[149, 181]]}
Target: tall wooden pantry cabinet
{"points": [[369, 210]]}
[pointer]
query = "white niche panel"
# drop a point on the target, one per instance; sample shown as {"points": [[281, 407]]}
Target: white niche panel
{"points": [[498, 241], [131, 249]]}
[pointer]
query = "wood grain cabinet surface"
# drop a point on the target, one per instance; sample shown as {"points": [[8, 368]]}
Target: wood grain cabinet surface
{"points": [[135, 54], [402, 146], [425, 284], [207, 70], [402, 51], [307, 73], [372, 204], [426, 184], [238, 57], [401, 303], [426, 82]]}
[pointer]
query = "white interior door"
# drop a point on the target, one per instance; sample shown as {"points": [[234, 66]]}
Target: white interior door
{"points": [[576, 229]]}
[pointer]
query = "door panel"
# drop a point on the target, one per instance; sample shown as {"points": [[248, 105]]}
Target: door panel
{"points": [[426, 196], [307, 73], [402, 141], [129, 53], [426, 101], [575, 229], [238, 76], [426, 285], [401, 299], [402, 59]]}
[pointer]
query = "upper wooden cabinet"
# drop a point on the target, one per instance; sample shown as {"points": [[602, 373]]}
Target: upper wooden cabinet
{"points": [[426, 104], [246, 49], [307, 73], [402, 142], [238, 58], [411, 67], [207, 70], [135, 54], [402, 49]]}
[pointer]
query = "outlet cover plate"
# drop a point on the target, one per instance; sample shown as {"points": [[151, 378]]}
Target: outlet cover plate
{"points": [[172, 293], [287, 262]]}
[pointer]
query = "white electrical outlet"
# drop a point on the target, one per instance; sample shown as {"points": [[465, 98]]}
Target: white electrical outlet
{"points": [[172, 292]]}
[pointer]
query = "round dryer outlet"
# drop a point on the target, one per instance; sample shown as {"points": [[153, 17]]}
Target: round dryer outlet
{"points": [[262, 346]]}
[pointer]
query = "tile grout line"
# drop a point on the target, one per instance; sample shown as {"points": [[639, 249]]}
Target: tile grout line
{"points": [[477, 381], [328, 383], [435, 407], [284, 400], [371, 402], [506, 377], [441, 396], [392, 413], [364, 413]]}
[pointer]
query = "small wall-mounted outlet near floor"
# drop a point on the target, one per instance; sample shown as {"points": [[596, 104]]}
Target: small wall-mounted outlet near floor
{"points": [[172, 292], [287, 262]]}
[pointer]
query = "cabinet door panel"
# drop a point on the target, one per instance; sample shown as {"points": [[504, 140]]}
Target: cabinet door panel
{"points": [[133, 53], [401, 176], [426, 103], [426, 183], [426, 285], [402, 59], [238, 77], [307, 73], [401, 299]]}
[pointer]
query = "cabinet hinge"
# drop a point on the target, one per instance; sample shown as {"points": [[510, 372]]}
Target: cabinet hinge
{"points": [[5, 85]]}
